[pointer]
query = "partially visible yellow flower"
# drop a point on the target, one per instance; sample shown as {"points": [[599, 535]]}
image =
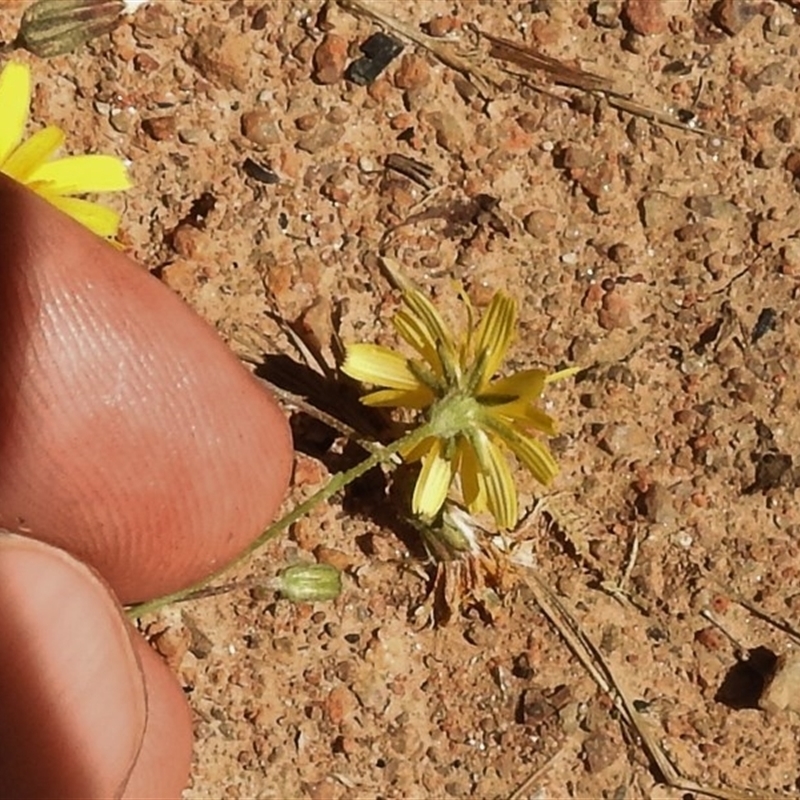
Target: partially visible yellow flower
{"points": [[475, 417], [57, 180]]}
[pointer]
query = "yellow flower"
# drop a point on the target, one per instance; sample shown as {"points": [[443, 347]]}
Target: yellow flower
{"points": [[474, 417], [58, 180]]}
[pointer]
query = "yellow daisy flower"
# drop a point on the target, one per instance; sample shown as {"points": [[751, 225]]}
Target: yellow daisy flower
{"points": [[474, 417], [56, 180]]}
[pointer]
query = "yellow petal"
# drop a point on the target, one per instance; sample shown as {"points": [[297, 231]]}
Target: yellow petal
{"points": [[469, 473], [527, 415], [418, 451], [513, 400], [527, 384], [493, 338], [498, 482], [82, 174], [15, 100], [427, 315], [563, 373], [418, 336], [33, 152], [531, 452], [433, 482], [399, 398], [429, 320], [99, 219], [372, 363]]}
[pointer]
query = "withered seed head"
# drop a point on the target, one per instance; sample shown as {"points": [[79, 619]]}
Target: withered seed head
{"points": [[54, 27]]}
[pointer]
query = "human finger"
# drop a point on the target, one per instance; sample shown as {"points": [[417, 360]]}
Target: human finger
{"points": [[129, 434], [83, 705]]}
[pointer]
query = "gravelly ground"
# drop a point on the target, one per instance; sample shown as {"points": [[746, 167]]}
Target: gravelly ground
{"points": [[664, 260]]}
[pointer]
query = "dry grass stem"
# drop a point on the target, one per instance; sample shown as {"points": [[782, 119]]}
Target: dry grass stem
{"points": [[523, 789], [488, 80]]}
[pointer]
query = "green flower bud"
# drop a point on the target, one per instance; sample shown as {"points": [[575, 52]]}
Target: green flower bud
{"points": [[53, 27], [307, 583]]}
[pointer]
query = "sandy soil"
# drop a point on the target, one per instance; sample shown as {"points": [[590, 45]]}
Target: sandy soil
{"points": [[664, 260]]}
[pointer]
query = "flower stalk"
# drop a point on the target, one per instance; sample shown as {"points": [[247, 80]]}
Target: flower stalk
{"points": [[337, 482]]}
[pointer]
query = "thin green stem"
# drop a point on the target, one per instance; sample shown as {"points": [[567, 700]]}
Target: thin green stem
{"points": [[335, 484]]}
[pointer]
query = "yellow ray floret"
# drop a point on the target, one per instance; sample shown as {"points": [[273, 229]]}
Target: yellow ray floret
{"points": [[57, 180]]}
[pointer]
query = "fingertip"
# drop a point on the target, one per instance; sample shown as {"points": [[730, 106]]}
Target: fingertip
{"points": [[72, 695], [161, 771]]}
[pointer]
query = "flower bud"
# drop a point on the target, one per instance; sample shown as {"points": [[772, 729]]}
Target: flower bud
{"points": [[54, 27], [308, 583]]}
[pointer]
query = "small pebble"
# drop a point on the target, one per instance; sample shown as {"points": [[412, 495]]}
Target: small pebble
{"points": [[379, 51], [260, 19], [733, 15], [190, 135], [657, 505], [330, 59], [690, 232], [323, 136], [339, 705], [172, 644], [541, 223], [338, 115], [153, 21], [646, 17], [768, 231], [159, 128], [143, 62], [606, 13], [772, 75], [715, 206], [659, 210], [599, 751], [577, 157], [442, 25], [121, 121], [413, 72], [711, 638], [615, 312], [634, 43], [188, 242], [220, 57], [260, 127], [792, 163], [570, 259], [784, 129], [782, 690], [307, 122], [768, 158], [449, 132], [621, 253], [181, 277], [790, 256]]}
